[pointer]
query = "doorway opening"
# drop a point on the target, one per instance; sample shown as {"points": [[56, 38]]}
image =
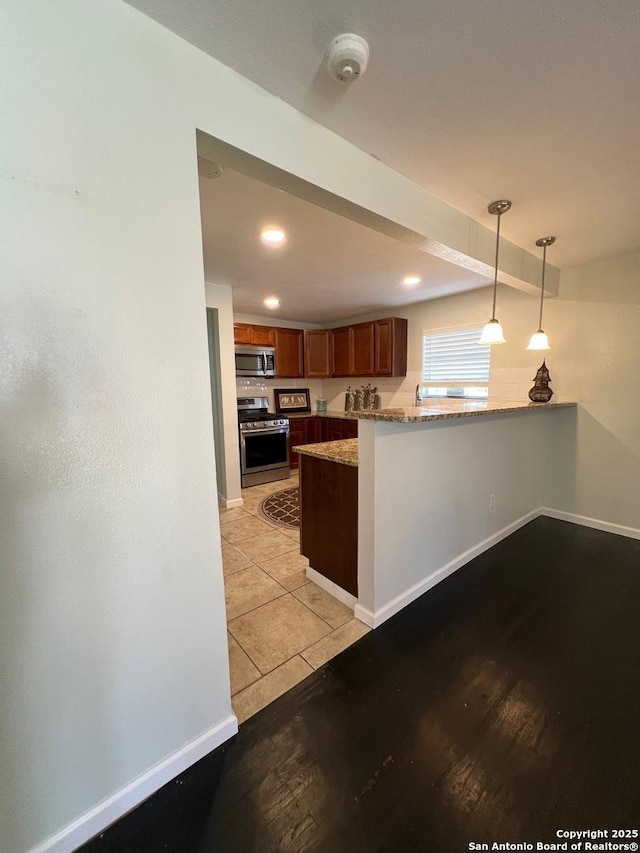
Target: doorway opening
{"points": [[334, 266]]}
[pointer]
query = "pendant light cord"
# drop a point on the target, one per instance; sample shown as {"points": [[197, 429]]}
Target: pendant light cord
{"points": [[544, 266], [495, 279]]}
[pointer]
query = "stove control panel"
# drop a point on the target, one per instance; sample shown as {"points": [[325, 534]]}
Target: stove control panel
{"points": [[249, 426]]}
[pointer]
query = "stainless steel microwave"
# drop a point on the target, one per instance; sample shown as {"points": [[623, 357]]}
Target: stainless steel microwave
{"points": [[255, 361]]}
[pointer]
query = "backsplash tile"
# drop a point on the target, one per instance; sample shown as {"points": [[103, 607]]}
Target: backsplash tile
{"points": [[247, 386], [505, 383]]}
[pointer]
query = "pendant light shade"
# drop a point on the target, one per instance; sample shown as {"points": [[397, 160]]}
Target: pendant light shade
{"points": [[539, 340], [492, 332]]}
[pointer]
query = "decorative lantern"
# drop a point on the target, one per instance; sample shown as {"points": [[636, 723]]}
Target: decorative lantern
{"points": [[541, 393]]}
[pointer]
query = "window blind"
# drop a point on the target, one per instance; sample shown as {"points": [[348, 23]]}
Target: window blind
{"points": [[454, 358]]}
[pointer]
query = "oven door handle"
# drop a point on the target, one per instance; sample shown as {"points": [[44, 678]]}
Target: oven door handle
{"points": [[264, 431]]}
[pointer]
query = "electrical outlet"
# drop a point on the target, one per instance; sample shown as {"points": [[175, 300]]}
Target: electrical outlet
{"points": [[492, 501]]}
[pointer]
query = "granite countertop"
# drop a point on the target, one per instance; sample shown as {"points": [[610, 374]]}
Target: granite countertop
{"points": [[436, 410], [343, 416], [344, 451], [440, 410]]}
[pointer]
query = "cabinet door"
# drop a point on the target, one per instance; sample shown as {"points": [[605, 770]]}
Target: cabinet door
{"points": [[316, 352], [241, 333], [244, 333], [363, 361], [391, 347], [296, 436], [322, 429], [350, 429], [342, 351], [262, 336], [313, 430], [334, 429], [289, 353], [329, 512]]}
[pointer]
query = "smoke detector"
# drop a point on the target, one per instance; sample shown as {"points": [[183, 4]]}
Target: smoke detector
{"points": [[209, 169], [347, 57]]}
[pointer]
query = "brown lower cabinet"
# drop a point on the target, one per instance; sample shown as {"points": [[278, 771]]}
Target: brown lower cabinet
{"points": [[329, 520], [296, 437], [312, 430]]}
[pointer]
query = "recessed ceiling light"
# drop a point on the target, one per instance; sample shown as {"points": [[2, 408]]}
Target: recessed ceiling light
{"points": [[272, 302], [411, 279], [273, 236]]}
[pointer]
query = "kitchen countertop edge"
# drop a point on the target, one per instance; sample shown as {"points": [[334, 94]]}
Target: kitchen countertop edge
{"points": [[444, 411], [437, 411], [343, 451], [343, 416]]}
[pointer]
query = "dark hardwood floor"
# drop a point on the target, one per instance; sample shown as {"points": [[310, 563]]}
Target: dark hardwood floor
{"points": [[501, 706]]}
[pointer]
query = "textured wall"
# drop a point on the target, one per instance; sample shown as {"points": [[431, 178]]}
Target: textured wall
{"points": [[112, 611]]}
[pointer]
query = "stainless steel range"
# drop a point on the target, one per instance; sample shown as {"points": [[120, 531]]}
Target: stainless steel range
{"points": [[264, 442]]}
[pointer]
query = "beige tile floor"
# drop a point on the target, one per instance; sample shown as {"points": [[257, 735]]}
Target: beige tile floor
{"points": [[281, 626]]}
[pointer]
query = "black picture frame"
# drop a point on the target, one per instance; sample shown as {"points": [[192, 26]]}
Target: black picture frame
{"points": [[291, 400]]}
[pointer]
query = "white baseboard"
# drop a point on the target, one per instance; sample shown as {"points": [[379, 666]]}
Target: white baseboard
{"points": [[585, 521], [332, 588], [114, 807], [364, 615], [231, 503], [376, 618]]}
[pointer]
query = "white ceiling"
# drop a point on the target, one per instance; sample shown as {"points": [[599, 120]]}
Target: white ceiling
{"points": [[329, 268], [533, 101]]}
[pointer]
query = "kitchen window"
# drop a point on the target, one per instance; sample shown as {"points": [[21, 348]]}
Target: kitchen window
{"points": [[454, 365]]}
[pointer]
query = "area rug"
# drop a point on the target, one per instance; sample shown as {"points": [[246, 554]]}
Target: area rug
{"points": [[283, 508]]}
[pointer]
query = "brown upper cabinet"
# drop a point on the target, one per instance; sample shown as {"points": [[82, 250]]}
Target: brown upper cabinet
{"points": [[244, 333], [317, 352], [390, 347], [363, 349], [289, 353], [289, 344], [342, 351], [375, 348]]}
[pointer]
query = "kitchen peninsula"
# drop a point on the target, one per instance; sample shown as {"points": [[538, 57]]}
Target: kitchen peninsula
{"points": [[314, 427], [424, 490]]}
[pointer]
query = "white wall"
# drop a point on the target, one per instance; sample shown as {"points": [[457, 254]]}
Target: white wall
{"points": [[219, 297], [424, 496], [112, 611], [595, 329]]}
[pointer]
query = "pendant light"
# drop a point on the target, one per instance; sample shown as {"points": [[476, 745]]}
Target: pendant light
{"points": [[492, 332], [540, 339]]}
